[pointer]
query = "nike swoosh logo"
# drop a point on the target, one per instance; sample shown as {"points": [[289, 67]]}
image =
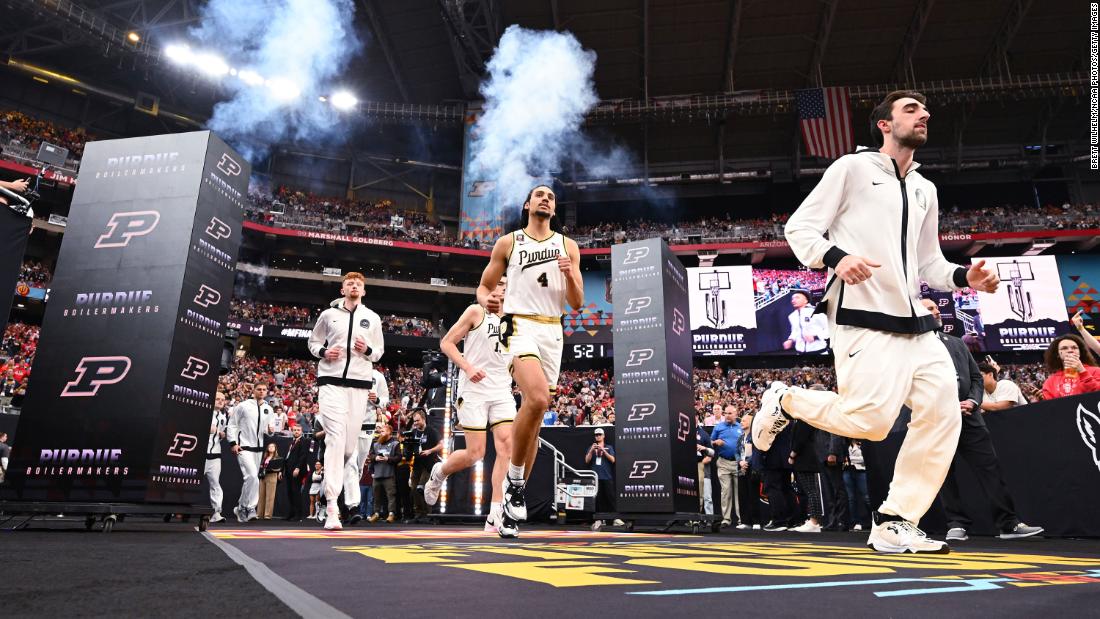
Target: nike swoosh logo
{"points": [[874, 183], [852, 354]]}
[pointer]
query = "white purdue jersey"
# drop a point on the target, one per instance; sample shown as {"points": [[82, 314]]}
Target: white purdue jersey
{"points": [[482, 349], [535, 284]]}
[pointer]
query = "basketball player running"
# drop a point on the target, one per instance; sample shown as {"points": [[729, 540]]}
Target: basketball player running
{"points": [[219, 422], [248, 422], [348, 341], [485, 402], [543, 269], [873, 220]]}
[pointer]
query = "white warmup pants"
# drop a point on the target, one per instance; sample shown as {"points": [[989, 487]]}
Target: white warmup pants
{"points": [[353, 470], [341, 413], [214, 479], [876, 373], [249, 462]]}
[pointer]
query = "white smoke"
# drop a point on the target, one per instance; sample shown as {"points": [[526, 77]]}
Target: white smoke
{"points": [[537, 93], [301, 45]]}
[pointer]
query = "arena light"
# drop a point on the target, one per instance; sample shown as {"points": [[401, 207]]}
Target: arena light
{"points": [[250, 77], [283, 89], [211, 64], [133, 37], [479, 482], [344, 100], [178, 53]]}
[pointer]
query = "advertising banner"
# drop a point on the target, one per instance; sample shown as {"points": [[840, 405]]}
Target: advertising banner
{"points": [[119, 399], [656, 465], [1026, 313]]}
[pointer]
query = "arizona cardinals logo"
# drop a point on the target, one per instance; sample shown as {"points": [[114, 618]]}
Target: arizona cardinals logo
{"points": [[1088, 424]]}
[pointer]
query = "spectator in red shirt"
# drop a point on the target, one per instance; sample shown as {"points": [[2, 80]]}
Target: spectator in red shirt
{"points": [[1072, 368]]}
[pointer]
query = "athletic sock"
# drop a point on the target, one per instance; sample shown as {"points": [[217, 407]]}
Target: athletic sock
{"points": [[494, 508], [515, 473]]}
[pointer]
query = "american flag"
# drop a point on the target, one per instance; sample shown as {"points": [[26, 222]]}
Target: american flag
{"points": [[825, 117]]}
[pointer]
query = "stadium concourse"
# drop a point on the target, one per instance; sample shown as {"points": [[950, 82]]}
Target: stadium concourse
{"points": [[233, 227]]}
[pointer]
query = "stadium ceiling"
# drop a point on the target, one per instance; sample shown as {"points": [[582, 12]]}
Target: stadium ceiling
{"points": [[432, 52]]}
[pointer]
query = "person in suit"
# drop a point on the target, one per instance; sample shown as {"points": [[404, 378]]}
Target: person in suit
{"points": [[976, 449], [298, 470]]}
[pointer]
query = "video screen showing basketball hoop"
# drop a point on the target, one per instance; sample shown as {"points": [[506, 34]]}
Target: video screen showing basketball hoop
{"points": [[1026, 313], [723, 316]]}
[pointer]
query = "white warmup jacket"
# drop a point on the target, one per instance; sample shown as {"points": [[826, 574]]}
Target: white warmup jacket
{"points": [[248, 422], [867, 209], [218, 423], [337, 326], [383, 390], [805, 321]]}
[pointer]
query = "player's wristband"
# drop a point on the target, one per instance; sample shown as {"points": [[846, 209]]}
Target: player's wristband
{"points": [[322, 352]]}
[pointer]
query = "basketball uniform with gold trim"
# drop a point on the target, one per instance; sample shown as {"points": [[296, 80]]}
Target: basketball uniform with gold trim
{"points": [[535, 301], [488, 402]]}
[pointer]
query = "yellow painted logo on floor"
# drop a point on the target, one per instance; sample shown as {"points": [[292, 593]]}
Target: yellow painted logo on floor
{"points": [[587, 564]]}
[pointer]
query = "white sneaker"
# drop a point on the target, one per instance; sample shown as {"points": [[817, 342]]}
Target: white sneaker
{"points": [[491, 522], [755, 527], [742, 526], [332, 522], [240, 514], [1021, 530], [857, 527], [217, 517], [770, 420], [902, 536], [807, 527], [957, 534], [618, 523], [597, 525], [514, 505], [434, 485], [507, 528]]}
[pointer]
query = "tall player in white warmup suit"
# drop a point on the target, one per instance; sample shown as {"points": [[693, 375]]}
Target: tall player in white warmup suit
{"points": [[348, 341], [544, 272], [485, 401], [874, 221], [248, 422]]}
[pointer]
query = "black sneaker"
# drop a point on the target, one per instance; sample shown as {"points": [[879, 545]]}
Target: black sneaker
{"points": [[515, 503], [508, 527], [774, 526], [354, 518]]}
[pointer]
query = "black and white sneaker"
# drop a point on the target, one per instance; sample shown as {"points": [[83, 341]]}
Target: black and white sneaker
{"points": [[514, 505], [775, 526], [353, 515], [770, 420], [240, 514], [508, 528]]}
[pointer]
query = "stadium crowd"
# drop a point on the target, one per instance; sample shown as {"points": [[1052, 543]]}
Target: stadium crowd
{"points": [[304, 316], [35, 274], [16, 356], [17, 128]]}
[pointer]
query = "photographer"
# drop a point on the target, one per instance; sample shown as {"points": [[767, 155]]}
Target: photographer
{"points": [[600, 458], [426, 447]]}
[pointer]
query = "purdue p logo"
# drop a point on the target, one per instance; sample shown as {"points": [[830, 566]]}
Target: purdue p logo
{"points": [[94, 372], [634, 254], [643, 468], [195, 368], [639, 356], [218, 229], [228, 166], [182, 444], [207, 296], [639, 412], [124, 226], [637, 304]]}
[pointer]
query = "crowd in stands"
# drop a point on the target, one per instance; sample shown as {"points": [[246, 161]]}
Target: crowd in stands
{"points": [[16, 356], [768, 283], [35, 274], [296, 209], [305, 316], [20, 129]]}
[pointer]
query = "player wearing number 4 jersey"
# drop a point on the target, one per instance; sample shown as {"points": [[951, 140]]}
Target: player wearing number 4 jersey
{"points": [[485, 402], [543, 269]]}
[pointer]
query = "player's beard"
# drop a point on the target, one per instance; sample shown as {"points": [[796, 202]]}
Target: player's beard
{"points": [[541, 215], [913, 139]]}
